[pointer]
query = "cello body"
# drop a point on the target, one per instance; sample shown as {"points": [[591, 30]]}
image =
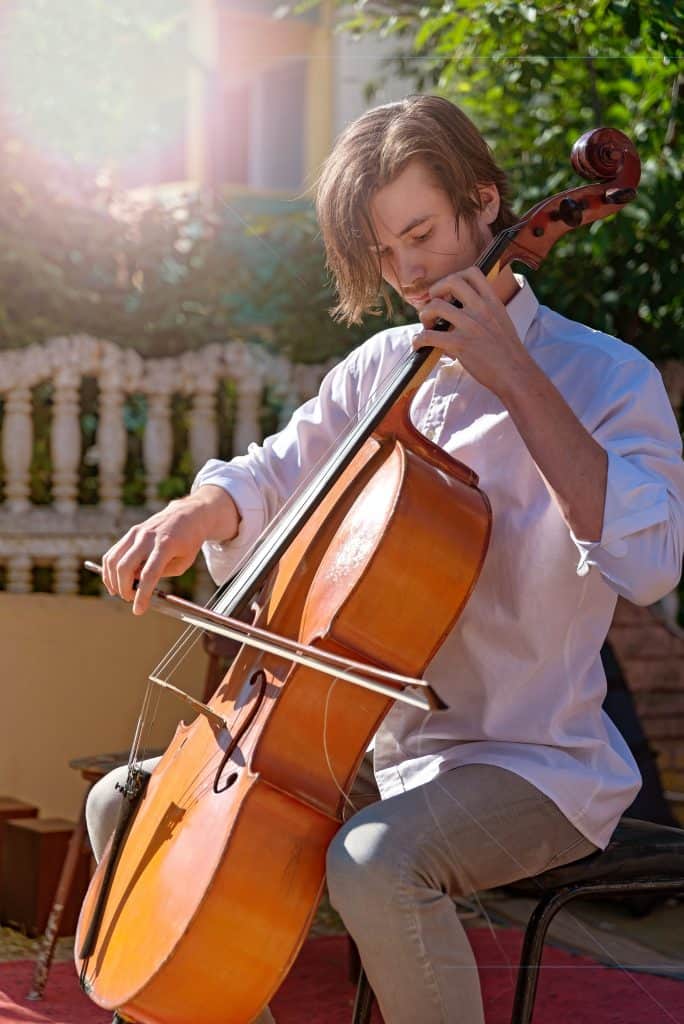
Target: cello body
{"points": [[220, 875]]}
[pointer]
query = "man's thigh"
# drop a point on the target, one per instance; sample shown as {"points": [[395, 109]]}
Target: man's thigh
{"points": [[474, 827]]}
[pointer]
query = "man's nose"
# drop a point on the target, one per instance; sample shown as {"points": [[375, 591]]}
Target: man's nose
{"points": [[410, 270]]}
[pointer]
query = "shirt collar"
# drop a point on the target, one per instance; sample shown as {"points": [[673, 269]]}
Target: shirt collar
{"points": [[522, 308]]}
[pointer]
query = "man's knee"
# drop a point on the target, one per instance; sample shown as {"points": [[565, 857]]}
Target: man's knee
{"points": [[363, 866], [104, 804], [102, 809]]}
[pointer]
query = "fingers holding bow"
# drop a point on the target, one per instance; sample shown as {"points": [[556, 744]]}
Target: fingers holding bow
{"points": [[133, 567]]}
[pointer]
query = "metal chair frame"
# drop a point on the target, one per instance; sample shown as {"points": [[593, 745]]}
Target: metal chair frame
{"points": [[533, 943]]}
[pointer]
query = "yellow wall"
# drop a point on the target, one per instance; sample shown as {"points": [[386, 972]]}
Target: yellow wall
{"points": [[236, 45], [319, 128], [73, 672]]}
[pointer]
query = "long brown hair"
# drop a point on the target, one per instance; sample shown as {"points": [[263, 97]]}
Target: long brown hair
{"points": [[371, 153]]}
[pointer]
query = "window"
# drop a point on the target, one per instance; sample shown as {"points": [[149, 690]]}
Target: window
{"points": [[260, 142]]}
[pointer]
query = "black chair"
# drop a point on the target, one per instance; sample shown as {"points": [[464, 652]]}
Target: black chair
{"points": [[640, 858]]}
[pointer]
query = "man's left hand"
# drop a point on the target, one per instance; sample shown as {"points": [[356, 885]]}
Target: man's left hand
{"points": [[482, 335]]}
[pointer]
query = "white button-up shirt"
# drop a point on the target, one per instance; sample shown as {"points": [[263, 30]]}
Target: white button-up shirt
{"points": [[520, 671]]}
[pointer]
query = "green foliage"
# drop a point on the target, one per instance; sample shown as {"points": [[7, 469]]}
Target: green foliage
{"points": [[535, 76], [159, 274], [41, 458]]}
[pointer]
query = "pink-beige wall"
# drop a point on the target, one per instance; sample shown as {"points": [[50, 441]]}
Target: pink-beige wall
{"points": [[72, 677]]}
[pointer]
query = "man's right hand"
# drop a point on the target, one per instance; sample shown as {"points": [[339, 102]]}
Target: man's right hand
{"points": [[167, 543]]}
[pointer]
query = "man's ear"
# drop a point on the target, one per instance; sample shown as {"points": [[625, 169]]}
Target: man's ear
{"points": [[490, 202]]}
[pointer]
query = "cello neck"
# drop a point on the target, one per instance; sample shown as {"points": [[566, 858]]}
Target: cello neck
{"points": [[235, 596]]}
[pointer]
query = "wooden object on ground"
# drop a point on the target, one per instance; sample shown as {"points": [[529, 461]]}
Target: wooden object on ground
{"points": [[221, 651], [69, 887], [10, 807], [33, 854]]}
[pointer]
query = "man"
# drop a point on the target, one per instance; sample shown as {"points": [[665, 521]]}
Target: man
{"points": [[576, 446]]}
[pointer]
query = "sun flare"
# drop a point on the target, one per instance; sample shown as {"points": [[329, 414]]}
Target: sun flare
{"points": [[92, 82]]}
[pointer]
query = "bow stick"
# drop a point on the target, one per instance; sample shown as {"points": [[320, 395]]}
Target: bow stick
{"points": [[370, 677]]}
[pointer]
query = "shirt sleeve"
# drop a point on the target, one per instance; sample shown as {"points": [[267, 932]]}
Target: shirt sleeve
{"points": [[640, 551], [268, 474]]}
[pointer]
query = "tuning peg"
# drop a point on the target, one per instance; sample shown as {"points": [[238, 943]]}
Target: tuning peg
{"points": [[569, 211], [619, 196]]}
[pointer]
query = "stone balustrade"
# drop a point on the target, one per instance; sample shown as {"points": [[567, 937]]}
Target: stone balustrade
{"points": [[61, 534]]}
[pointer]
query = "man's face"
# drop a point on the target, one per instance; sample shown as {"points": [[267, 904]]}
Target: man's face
{"points": [[420, 240]]}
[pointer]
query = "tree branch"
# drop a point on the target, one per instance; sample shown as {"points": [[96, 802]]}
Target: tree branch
{"points": [[671, 131], [595, 98]]}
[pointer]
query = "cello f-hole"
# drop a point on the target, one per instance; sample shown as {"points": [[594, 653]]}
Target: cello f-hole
{"points": [[257, 678]]}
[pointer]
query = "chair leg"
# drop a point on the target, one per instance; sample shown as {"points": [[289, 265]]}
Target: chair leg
{"points": [[531, 954], [363, 1004], [353, 961], [544, 913]]}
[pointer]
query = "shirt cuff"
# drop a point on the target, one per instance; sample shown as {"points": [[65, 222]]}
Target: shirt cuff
{"points": [[223, 558], [634, 502]]}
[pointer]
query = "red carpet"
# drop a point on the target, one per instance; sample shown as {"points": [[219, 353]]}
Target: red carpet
{"points": [[317, 991]]}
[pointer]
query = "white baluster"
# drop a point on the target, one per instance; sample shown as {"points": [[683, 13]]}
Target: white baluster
{"points": [[119, 373], [65, 440], [19, 580], [66, 574], [248, 407], [111, 445], [17, 447], [157, 446], [204, 440]]}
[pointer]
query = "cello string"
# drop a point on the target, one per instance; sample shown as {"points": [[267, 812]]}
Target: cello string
{"points": [[291, 510], [383, 388], [178, 653], [154, 714], [326, 752], [140, 725], [190, 633], [381, 392], [305, 495], [203, 780], [189, 638], [473, 895], [187, 641]]}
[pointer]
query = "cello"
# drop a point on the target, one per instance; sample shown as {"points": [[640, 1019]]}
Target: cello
{"points": [[208, 887]]}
